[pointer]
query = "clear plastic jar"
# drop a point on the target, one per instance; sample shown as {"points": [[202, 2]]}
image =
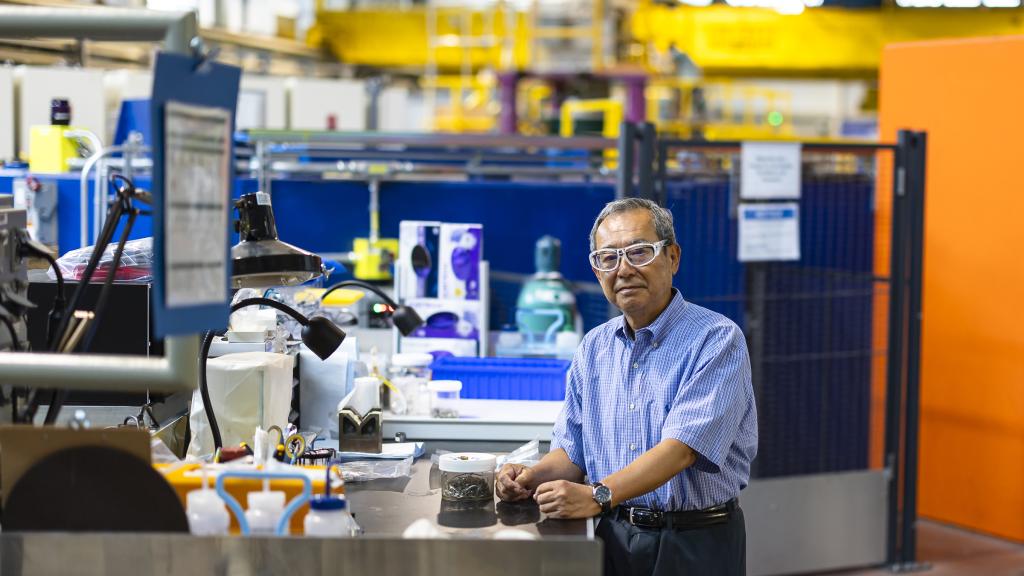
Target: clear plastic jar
{"points": [[467, 476], [444, 398], [410, 373]]}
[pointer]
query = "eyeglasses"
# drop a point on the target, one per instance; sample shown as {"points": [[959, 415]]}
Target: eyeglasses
{"points": [[642, 254]]}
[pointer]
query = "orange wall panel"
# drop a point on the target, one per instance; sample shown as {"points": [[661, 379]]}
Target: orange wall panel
{"points": [[969, 96]]}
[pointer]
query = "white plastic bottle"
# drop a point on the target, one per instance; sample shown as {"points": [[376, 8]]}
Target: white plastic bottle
{"points": [[328, 517], [264, 512], [207, 515]]}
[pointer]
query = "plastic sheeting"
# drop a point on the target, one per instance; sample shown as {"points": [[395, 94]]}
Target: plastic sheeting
{"points": [[247, 390]]}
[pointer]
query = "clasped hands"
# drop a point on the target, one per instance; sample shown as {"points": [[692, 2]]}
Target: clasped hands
{"points": [[558, 498]]}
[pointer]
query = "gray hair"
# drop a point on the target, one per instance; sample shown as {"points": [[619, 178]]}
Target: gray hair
{"points": [[661, 217]]}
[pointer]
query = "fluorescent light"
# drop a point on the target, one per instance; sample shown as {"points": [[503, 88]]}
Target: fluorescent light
{"points": [[1001, 3], [700, 3]]}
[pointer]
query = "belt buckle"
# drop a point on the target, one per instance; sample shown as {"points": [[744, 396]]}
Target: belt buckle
{"points": [[645, 518]]}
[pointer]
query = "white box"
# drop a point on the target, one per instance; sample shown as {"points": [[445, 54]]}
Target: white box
{"points": [[82, 88], [462, 248], [6, 114], [262, 103], [316, 101], [419, 258]]}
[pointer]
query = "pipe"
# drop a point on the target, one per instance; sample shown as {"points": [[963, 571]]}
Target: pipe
{"points": [[83, 192], [178, 371], [175, 29]]}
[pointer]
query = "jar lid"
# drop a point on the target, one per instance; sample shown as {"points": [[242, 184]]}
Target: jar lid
{"points": [[444, 385], [327, 503], [412, 359], [467, 462]]}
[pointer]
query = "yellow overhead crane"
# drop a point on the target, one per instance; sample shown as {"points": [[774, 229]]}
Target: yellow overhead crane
{"points": [[722, 40]]}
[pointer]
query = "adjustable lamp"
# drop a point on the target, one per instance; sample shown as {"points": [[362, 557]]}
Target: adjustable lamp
{"points": [[260, 260], [319, 334], [404, 317]]}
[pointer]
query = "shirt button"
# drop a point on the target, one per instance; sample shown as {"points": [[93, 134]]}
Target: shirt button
{"points": [[655, 344], [632, 406], [632, 447], [636, 364]]}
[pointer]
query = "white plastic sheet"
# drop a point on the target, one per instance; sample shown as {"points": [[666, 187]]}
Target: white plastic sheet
{"points": [[247, 390]]}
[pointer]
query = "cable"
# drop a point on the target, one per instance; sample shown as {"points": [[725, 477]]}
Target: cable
{"points": [[101, 302], [116, 210], [59, 301], [204, 391], [61, 395], [387, 299]]}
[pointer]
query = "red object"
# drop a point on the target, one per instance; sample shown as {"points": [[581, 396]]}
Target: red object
{"points": [[123, 274], [332, 122]]}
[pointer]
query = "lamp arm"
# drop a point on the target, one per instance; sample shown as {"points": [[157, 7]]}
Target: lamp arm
{"points": [[366, 286], [273, 304]]}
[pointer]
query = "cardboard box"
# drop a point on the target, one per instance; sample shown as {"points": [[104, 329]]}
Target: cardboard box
{"points": [[462, 248]]}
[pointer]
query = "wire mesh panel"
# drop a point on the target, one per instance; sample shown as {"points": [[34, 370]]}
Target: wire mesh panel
{"points": [[816, 326]]}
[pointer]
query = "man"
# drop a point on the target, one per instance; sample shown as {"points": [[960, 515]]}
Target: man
{"points": [[659, 414]]}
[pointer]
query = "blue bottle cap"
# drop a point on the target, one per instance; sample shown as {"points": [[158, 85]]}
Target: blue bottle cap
{"points": [[327, 503]]}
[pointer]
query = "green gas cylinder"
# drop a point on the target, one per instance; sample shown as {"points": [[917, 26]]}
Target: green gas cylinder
{"points": [[546, 303]]}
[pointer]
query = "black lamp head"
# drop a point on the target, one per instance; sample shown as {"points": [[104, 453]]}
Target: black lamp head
{"points": [[322, 336], [260, 259], [406, 320]]}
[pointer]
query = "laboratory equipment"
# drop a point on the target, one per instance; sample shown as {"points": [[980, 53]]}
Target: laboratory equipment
{"points": [[260, 259], [405, 318], [264, 510], [410, 373], [467, 476], [546, 304], [359, 418], [328, 515], [207, 514], [444, 398]]}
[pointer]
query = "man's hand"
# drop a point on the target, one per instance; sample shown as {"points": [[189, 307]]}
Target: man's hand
{"points": [[514, 482], [563, 499]]}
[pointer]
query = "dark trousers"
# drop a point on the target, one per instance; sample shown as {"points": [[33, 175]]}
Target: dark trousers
{"points": [[719, 550]]}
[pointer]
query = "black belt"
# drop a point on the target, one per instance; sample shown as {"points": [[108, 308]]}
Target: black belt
{"points": [[685, 520]]}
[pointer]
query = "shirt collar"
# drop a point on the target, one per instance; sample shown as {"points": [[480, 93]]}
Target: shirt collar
{"points": [[662, 324]]}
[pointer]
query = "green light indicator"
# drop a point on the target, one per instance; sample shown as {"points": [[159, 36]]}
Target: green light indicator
{"points": [[775, 118]]}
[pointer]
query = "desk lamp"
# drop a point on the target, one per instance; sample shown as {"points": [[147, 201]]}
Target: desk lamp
{"points": [[260, 259], [319, 334]]}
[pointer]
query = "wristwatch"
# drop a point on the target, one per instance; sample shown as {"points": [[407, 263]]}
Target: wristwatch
{"points": [[603, 496]]}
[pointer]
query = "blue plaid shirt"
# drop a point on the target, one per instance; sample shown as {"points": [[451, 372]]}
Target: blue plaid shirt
{"points": [[686, 377]]}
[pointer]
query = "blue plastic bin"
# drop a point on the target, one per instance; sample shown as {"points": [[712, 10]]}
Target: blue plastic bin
{"points": [[505, 378]]}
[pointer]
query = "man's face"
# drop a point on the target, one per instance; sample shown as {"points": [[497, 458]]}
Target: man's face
{"points": [[638, 292]]}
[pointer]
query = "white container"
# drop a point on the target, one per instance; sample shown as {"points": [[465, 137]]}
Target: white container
{"points": [[207, 515], [328, 517], [444, 398], [410, 373], [467, 476], [265, 509]]}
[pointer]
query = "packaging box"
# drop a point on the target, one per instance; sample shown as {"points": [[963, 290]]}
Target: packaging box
{"points": [[419, 259], [440, 346], [462, 249], [460, 319]]}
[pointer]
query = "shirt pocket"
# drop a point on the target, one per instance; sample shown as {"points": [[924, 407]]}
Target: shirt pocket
{"points": [[655, 412]]}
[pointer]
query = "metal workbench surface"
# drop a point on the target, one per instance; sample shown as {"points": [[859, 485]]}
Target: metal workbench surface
{"points": [[387, 507], [384, 508]]}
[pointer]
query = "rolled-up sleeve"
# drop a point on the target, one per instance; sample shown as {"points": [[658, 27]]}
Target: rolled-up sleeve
{"points": [[708, 409], [568, 431]]}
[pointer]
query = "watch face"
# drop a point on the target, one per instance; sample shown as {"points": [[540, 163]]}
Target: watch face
{"points": [[602, 494]]}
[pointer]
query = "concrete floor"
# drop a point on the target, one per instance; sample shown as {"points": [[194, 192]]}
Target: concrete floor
{"points": [[956, 551]]}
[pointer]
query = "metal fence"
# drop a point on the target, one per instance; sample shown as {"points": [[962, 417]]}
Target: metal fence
{"points": [[834, 335]]}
